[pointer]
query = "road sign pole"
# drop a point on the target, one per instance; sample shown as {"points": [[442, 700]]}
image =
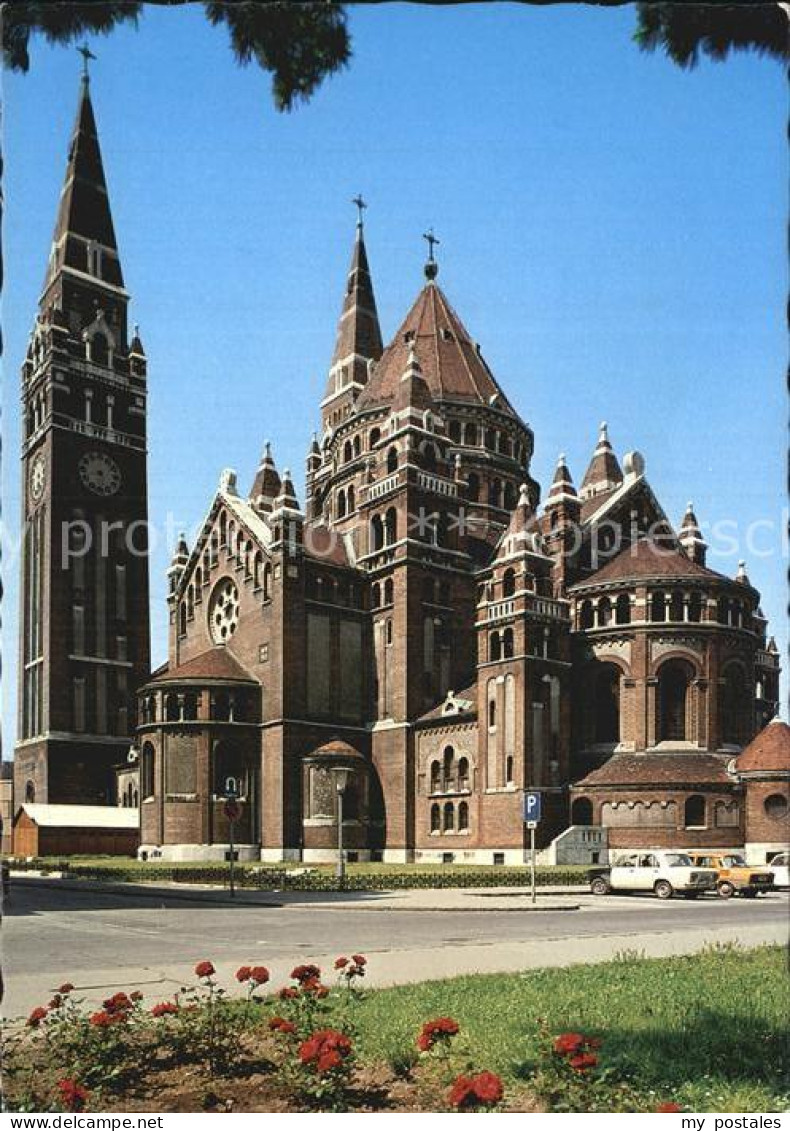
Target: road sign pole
{"points": [[532, 861], [232, 865]]}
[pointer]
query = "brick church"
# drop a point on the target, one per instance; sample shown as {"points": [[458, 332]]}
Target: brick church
{"points": [[418, 631]]}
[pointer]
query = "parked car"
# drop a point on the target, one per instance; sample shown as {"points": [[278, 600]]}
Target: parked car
{"points": [[780, 870], [734, 874], [661, 871]]}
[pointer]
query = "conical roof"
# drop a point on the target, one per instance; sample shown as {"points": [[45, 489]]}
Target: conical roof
{"points": [[266, 484], [358, 331], [451, 362], [604, 471], [562, 488], [84, 217]]}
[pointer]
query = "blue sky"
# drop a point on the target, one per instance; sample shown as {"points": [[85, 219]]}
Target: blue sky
{"points": [[612, 231]]}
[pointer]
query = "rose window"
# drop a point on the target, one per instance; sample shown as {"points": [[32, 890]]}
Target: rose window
{"points": [[223, 614]]}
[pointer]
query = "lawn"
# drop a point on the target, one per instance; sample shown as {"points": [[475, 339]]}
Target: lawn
{"points": [[708, 1030]]}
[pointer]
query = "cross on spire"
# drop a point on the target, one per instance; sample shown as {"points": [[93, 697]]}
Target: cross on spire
{"points": [[361, 206], [431, 268], [86, 54]]}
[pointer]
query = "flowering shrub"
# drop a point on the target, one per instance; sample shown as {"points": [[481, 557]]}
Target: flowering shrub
{"points": [[483, 1090], [326, 1062], [569, 1076], [164, 1009]]}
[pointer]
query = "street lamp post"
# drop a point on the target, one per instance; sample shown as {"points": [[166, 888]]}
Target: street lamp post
{"points": [[342, 776]]}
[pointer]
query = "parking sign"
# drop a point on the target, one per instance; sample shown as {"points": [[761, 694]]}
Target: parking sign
{"points": [[532, 807]]}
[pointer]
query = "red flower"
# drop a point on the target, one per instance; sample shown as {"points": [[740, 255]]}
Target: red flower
{"points": [[313, 986], [340, 963], [287, 993], [136, 996], [205, 969], [483, 1090], [669, 1107], [56, 1002], [36, 1017], [281, 1025], [306, 973], [583, 1062], [164, 1008], [325, 1050], [441, 1029], [118, 1003], [359, 959], [259, 975], [243, 973], [103, 1019], [72, 1095], [66, 988], [569, 1043]]}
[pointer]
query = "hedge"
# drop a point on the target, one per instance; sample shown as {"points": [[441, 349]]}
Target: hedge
{"points": [[282, 879]]}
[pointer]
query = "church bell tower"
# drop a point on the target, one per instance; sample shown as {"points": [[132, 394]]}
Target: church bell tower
{"points": [[84, 635]]}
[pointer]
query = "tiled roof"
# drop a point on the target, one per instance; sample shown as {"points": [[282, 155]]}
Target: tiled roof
{"points": [[337, 748], [646, 558], [450, 362], [467, 696], [677, 769], [769, 751], [216, 663]]}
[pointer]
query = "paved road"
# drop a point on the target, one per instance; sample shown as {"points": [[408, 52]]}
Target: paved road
{"points": [[104, 941]]}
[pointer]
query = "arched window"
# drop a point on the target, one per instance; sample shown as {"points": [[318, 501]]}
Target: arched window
{"points": [[735, 702], [507, 644], [267, 581], [448, 768], [389, 591], [376, 533], [509, 583], [491, 439], [463, 773], [100, 352], [341, 504], [389, 631], [604, 612], [223, 528], [623, 609], [470, 435], [392, 460], [390, 526], [257, 567], [694, 812], [182, 619], [351, 500], [463, 817], [494, 646], [375, 436], [495, 492], [455, 431], [607, 703], [375, 596], [658, 607], [676, 605], [357, 445], [171, 708], [510, 496], [30, 792], [436, 819], [695, 607], [509, 770], [674, 678], [491, 714], [586, 615], [582, 811], [429, 457], [347, 452], [147, 770], [473, 487], [449, 817], [436, 776], [190, 706]]}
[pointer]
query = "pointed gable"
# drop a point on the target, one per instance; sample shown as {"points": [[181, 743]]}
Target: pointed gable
{"points": [[451, 362], [604, 473]]}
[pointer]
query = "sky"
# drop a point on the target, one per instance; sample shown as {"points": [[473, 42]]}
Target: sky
{"points": [[612, 231]]}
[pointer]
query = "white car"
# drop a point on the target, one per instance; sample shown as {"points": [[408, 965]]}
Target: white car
{"points": [[658, 870], [780, 866]]}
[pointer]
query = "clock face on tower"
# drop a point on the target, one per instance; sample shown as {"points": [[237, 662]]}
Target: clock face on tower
{"points": [[100, 473], [38, 477]]}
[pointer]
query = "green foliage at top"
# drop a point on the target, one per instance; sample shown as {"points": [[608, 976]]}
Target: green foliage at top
{"points": [[299, 42], [685, 31]]}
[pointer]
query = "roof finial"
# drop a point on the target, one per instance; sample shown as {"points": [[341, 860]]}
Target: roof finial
{"points": [[361, 206], [431, 267], [86, 54]]}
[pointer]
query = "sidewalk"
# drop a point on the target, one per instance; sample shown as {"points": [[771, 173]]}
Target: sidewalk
{"points": [[555, 898]]}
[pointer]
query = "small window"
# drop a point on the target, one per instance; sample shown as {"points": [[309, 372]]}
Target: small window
{"points": [[776, 807]]}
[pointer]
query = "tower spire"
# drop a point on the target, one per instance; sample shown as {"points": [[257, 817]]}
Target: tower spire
{"points": [[358, 333], [84, 243]]}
